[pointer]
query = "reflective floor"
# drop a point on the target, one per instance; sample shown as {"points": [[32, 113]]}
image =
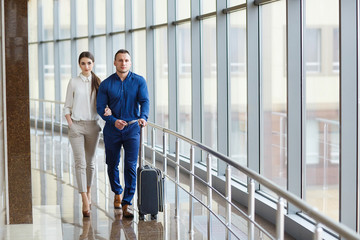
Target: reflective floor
{"points": [[57, 204]]}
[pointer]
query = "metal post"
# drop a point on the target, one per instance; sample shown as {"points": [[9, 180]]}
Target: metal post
{"points": [[177, 176], [107, 194], [280, 219], [318, 232], [52, 106], [43, 104], [53, 155], [251, 208], [36, 117], [44, 156], [69, 162], [165, 185], [192, 190], [61, 124], [281, 151], [164, 152], [153, 137], [37, 151], [325, 163], [61, 161], [209, 197], [96, 178], [228, 204]]}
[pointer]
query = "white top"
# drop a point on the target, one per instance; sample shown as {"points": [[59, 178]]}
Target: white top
{"points": [[77, 101]]}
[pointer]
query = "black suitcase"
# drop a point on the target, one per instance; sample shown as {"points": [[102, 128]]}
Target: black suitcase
{"points": [[150, 187]]}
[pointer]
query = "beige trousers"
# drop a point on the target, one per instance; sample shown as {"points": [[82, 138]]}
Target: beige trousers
{"points": [[84, 138]]}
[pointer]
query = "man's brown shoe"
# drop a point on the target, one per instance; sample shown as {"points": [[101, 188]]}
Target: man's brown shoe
{"points": [[127, 212], [117, 201]]}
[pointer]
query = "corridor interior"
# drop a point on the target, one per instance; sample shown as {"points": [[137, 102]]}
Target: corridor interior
{"points": [[57, 204]]}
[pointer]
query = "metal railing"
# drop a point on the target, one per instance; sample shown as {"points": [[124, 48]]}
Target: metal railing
{"points": [[40, 111], [320, 219]]}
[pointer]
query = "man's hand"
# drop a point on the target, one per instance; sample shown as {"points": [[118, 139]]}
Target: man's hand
{"points": [[120, 124], [142, 122]]}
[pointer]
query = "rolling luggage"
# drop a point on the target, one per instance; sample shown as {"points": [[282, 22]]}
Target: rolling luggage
{"points": [[150, 187]]}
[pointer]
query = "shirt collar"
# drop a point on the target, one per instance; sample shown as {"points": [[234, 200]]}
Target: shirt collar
{"points": [[127, 77], [85, 79]]}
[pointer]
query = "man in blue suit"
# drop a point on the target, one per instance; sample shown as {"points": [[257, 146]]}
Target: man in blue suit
{"points": [[126, 94]]}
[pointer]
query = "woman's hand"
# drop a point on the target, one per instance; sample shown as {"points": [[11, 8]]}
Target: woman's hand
{"points": [[107, 112], [69, 120]]}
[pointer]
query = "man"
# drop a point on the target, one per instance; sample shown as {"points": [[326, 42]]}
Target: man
{"points": [[123, 92]]}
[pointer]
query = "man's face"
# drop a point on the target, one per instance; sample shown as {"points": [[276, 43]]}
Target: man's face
{"points": [[122, 62]]}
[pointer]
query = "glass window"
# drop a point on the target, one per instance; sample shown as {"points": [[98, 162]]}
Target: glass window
{"points": [[238, 90], [184, 82], [273, 163], [49, 81], [182, 9], [161, 81], [139, 53], [138, 16], [208, 72], [48, 20], [312, 41], [64, 18], [33, 71], [81, 45], [118, 15], [100, 57], [208, 6], [99, 17], [160, 11], [232, 3], [321, 181], [65, 66], [118, 42], [32, 20], [81, 18]]}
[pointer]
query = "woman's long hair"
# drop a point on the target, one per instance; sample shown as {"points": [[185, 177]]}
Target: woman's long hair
{"points": [[95, 80]]}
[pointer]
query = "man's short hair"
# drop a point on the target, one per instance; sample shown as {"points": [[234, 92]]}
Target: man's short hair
{"points": [[122, 51]]}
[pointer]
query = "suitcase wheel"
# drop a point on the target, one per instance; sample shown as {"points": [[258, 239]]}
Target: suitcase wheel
{"points": [[153, 216], [141, 216]]}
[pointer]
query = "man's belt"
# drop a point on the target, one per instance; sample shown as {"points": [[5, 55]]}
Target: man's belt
{"points": [[131, 122]]}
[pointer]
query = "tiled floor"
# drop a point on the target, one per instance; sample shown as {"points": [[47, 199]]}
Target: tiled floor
{"points": [[46, 225], [57, 205]]}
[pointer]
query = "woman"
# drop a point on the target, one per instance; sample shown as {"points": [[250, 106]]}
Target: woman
{"points": [[84, 130]]}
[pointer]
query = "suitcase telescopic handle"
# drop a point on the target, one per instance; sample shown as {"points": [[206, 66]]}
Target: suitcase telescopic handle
{"points": [[140, 146]]}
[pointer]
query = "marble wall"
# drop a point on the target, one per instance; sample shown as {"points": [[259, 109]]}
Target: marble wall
{"points": [[17, 111], [2, 153]]}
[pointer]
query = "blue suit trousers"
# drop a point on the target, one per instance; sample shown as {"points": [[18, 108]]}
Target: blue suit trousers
{"points": [[129, 139]]}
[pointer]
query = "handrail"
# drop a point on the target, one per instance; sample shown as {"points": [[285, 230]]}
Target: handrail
{"points": [[48, 101], [341, 229]]}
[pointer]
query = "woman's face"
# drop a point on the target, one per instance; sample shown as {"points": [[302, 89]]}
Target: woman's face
{"points": [[86, 65]]}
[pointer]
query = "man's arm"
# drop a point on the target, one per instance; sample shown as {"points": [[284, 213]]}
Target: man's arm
{"points": [[144, 100], [102, 103]]}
